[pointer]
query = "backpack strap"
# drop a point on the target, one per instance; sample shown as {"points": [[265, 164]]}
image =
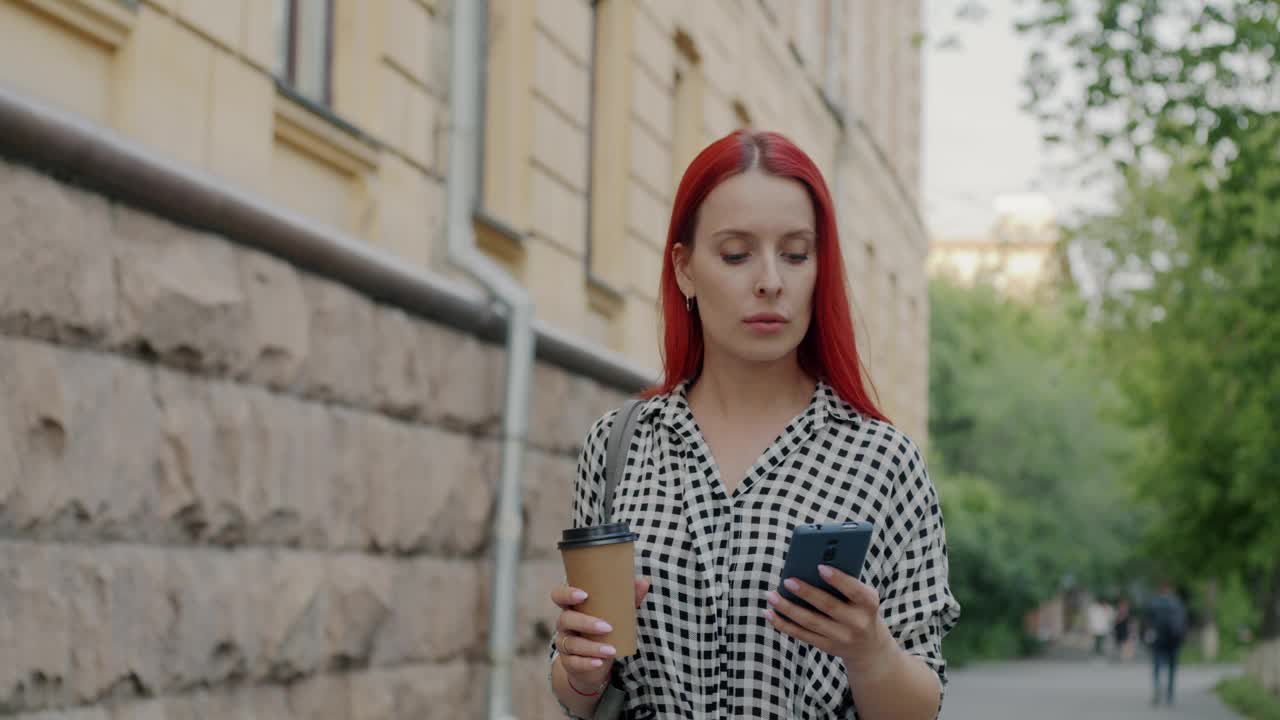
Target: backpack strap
{"points": [[619, 444]]}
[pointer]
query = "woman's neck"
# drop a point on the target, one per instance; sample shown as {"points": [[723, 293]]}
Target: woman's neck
{"points": [[730, 389]]}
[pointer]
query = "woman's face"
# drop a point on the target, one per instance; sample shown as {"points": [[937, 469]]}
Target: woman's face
{"points": [[752, 267]]}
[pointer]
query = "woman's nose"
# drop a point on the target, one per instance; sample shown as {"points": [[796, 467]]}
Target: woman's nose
{"points": [[770, 281]]}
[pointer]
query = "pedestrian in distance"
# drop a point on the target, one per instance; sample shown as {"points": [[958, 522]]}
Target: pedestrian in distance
{"points": [[1123, 631], [1166, 628], [1099, 619], [762, 422]]}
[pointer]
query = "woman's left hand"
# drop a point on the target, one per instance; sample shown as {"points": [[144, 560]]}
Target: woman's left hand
{"points": [[847, 627]]}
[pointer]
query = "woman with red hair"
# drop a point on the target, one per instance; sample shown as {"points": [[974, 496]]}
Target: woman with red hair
{"points": [[762, 422]]}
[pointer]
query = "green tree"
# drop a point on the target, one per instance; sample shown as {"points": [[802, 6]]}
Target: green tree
{"points": [[1181, 99], [1027, 461]]}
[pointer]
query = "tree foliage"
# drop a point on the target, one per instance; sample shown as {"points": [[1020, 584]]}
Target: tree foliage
{"points": [[1182, 97], [1026, 459]]}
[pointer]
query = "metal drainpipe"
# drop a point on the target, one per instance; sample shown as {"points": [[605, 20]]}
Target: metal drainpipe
{"points": [[466, 96]]}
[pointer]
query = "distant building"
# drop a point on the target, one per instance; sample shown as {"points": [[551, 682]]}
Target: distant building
{"points": [[1018, 256]]}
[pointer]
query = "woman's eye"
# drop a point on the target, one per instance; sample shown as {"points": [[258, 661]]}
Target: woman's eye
{"points": [[797, 258], [734, 259]]}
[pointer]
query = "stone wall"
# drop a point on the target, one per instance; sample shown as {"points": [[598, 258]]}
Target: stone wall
{"points": [[232, 489], [1263, 665]]}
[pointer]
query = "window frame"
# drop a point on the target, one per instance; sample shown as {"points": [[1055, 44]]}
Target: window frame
{"points": [[288, 75]]}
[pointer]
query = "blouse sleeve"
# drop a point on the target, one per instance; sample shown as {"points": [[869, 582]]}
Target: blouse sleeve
{"points": [[588, 490], [916, 603]]}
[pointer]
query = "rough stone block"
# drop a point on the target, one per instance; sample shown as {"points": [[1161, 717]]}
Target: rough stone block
{"points": [[145, 710], [348, 495], [76, 469], [359, 595], [131, 619], [535, 613], [35, 628], [72, 714], [342, 341], [241, 464], [291, 603], [242, 703], [437, 613], [565, 407], [293, 474], [548, 498], [278, 335], [85, 623], [180, 294], [531, 688], [465, 382], [56, 277], [422, 691], [215, 637], [399, 374], [321, 697], [427, 490]]}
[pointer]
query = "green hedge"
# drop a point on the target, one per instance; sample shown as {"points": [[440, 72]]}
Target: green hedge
{"points": [[1248, 698]]}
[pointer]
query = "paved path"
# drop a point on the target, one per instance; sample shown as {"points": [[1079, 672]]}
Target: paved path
{"points": [[1078, 690]]}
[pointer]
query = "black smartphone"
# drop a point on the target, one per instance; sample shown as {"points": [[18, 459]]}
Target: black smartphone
{"points": [[842, 546]]}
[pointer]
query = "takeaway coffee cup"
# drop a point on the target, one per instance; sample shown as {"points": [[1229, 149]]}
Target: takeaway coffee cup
{"points": [[601, 561]]}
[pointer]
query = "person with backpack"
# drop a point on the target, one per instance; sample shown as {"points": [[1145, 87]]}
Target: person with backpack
{"points": [[1167, 628], [762, 422]]}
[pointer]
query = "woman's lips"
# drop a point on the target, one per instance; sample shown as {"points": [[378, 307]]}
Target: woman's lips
{"points": [[766, 323]]}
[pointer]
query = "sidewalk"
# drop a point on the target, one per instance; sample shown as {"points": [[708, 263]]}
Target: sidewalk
{"points": [[1062, 690]]}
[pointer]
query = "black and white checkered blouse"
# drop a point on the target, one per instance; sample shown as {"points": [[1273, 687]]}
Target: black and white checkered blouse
{"points": [[705, 649]]}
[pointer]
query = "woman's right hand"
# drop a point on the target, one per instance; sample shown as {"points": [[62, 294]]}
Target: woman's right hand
{"points": [[586, 661]]}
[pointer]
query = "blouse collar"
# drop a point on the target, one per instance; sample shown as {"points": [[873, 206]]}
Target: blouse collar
{"points": [[672, 409]]}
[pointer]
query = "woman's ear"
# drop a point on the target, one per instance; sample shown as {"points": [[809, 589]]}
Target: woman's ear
{"points": [[680, 260]]}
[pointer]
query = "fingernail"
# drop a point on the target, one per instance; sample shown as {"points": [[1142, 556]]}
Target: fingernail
{"points": [[596, 662], [825, 571], [791, 584], [772, 597], [768, 614], [608, 650], [578, 596], [602, 626]]}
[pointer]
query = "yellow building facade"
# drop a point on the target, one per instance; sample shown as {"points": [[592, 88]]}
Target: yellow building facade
{"points": [[338, 110]]}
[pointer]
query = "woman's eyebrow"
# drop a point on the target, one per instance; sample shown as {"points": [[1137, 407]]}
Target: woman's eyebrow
{"points": [[801, 233], [727, 233]]}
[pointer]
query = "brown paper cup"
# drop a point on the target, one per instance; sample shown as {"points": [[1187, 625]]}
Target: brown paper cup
{"points": [[601, 561]]}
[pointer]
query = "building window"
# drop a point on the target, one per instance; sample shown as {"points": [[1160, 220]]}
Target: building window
{"points": [[304, 47]]}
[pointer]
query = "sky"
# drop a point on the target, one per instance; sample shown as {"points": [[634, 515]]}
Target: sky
{"points": [[980, 149]]}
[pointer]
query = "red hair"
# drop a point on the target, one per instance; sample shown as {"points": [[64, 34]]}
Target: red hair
{"points": [[828, 351]]}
